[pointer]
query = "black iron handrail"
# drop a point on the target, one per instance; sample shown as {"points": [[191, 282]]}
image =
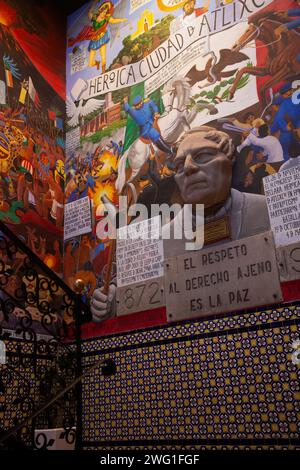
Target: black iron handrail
{"points": [[81, 314], [108, 369], [19, 243]]}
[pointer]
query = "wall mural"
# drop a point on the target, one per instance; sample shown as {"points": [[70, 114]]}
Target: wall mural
{"points": [[31, 129], [32, 148], [150, 84]]}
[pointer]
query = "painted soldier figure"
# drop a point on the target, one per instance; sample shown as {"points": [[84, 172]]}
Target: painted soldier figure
{"points": [[145, 112]]}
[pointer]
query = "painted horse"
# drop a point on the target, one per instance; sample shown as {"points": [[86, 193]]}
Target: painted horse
{"points": [[175, 120], [282, 62]]}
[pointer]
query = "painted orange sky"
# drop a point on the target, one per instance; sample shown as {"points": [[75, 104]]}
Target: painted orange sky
{"points": [[45, 51]]}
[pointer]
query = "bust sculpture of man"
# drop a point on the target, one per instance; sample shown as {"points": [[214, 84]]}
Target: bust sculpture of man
{"points": [[203, 166]]}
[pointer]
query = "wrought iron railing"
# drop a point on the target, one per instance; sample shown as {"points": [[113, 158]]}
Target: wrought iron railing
{"points": [[40, 319]]}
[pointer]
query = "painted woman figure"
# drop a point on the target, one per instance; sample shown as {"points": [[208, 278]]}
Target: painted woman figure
{"points": [[98, 32]]}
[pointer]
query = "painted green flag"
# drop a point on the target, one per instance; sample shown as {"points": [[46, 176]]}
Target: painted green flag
{"points": [[156, 97], [132, 129]]}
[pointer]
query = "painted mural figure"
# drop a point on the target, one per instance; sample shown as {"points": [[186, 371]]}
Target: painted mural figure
{"points": [[294, 159], [293, 24], [190, 13], [190, 10], [286, 121], [145, 112], [271, 146], [98, 32], [116, 148], [54, 198]]}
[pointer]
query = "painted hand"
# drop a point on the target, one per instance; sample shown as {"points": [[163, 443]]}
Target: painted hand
{"points": [[281, 29], [283, 13], [102, 304]]}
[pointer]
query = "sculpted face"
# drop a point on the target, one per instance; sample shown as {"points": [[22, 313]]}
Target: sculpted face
{"points": [[203, 171]]}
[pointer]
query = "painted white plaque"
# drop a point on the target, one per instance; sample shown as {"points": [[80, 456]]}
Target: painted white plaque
{"points": [[139, 252], [2, 92], [282, 192], [77, 218], [72, 140], [232, 276]]}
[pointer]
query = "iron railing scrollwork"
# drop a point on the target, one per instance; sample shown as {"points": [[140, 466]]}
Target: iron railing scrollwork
{"points": [[40, 319]]}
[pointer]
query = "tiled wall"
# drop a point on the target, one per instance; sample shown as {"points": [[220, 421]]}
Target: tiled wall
{"points": [[220, 383], [26, 385], [20, 380]]}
